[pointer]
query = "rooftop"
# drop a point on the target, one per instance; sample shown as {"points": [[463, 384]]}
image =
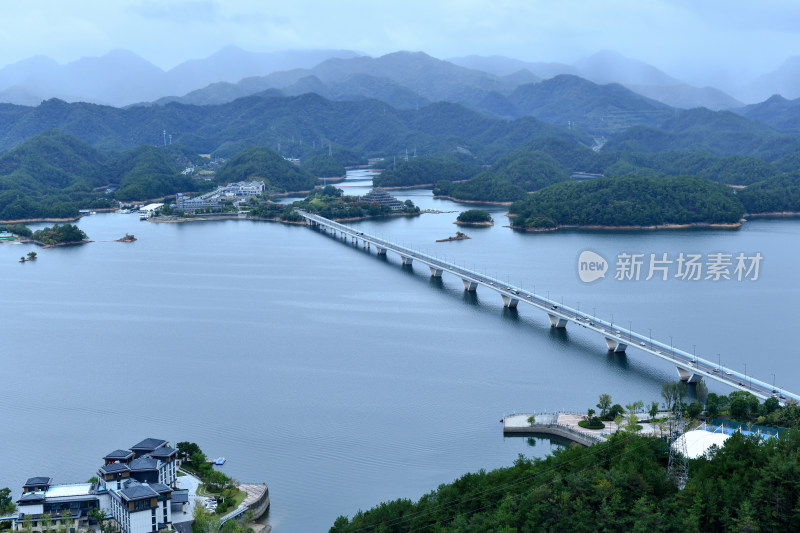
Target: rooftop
{"points": [[115, 467], [138, 492], [119, 454], [149, 444], [144, 463], [61, 491], [37, 481], [164, 452]]}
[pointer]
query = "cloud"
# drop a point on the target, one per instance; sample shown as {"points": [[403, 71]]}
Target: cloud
{"points": [[178, 12]]}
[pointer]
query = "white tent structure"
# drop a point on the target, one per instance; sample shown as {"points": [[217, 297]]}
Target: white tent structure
{"points": [[698, 442]]}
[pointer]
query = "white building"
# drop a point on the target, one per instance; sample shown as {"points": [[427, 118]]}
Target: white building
{"points": [[134, 486]]}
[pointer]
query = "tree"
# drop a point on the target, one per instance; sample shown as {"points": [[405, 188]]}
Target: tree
{"points": [[205, 522], [668, 393], [46, 521], [712, 404], [186, 449], [633, 420], [694, 410], [31, 256], [701, 389], [66, 521], [7, 506], [653, 410], [604, 404]]}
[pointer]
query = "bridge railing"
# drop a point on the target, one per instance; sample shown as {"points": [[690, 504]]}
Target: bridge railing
{"points": [[653, 346]]}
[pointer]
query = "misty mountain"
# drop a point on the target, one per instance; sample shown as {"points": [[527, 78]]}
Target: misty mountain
{"points": [[401, 79], [505, 66], [121, 77], [232, 64], [685, 96], [785, 81], [610, 67], [598, 108]]}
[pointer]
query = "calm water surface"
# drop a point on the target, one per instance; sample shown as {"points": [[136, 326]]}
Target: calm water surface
{"points": [[339, 378]]}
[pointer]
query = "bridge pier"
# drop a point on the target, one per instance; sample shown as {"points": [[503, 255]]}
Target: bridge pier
{"points": [[557, 321], [688, 376], [435, 272], [407, 260], [381, 251], [470, 286], [510, 302], [616, 346]]}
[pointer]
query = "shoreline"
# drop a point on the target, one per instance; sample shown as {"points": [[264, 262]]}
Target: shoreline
{"points": [[774, 214], [656, 227], [216, 218], [484, 224], [444, 197]]}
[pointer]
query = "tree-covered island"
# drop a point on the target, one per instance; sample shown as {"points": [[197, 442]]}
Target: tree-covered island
{"points": [[628, 202], [60, 234], [474, 217]]}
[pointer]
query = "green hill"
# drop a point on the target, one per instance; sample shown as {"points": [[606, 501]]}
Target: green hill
{"points": [[260, 163], [629, 201]]}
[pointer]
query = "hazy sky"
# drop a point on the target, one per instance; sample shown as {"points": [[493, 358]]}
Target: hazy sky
{"points": [[690, 39]]}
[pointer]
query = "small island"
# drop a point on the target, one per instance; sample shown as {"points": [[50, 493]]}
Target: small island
{"points": [[31, 257], [59, 235], [458, 237], [474, 217], [127, 238]]}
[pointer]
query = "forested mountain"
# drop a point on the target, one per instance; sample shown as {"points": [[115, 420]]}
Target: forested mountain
{"points": [[54, 174], [777, 112], [302, 125], [701, 130], [597, 108]]}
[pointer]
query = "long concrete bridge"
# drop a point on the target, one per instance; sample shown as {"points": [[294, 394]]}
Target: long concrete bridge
{"points": [[690, 367]]}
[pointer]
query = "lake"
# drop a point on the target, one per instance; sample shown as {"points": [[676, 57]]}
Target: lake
{"points": [[340, 378]]}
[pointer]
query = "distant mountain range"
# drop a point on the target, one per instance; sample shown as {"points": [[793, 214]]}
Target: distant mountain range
{"points": [[615, 92], [122, 78]]}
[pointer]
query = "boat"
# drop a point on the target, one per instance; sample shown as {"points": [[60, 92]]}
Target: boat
{"points": [[219, 461]]}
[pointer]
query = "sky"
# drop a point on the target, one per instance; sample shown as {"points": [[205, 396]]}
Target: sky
{"points": [[697, 41]]}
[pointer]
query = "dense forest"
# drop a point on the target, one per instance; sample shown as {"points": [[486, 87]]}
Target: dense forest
{"points": [[426, 170], [774, 195], [628, 201], [59, 156], [60, 234], [260, 163], [618, 485]]}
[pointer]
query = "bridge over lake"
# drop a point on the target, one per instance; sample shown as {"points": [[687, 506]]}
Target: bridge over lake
{"points": [[690, 367]]}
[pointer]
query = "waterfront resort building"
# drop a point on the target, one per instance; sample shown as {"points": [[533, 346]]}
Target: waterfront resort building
{"points": [[381, 197], [135, 487], [190, 205]]}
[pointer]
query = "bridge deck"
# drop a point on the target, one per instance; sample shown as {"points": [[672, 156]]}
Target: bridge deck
{"points": [[693, 366]]}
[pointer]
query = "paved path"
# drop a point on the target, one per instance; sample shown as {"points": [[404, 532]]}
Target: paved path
{"points": [[191, 483]]}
